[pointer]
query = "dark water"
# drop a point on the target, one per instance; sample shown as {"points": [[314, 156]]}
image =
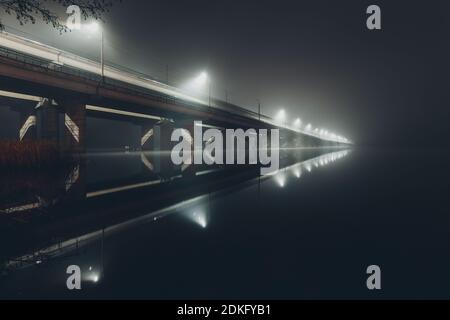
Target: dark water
{"points": [[310, 231]]}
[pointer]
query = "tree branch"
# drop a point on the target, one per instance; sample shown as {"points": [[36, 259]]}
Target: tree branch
{"points": [[27, 11]]}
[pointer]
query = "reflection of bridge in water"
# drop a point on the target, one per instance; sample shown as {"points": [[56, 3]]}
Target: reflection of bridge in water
{"points": [[80, 223]]}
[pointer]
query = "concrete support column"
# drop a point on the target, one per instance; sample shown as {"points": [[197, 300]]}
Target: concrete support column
{"points": [[75, 183], [147, 156], [162, 133], [163, 147], [74, 126], [156, 146], [156, 136], [188, 129], [147, 136], [48, 124], [28, 125]]}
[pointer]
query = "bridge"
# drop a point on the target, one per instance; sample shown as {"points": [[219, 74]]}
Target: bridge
{"points": [[54, 91]]}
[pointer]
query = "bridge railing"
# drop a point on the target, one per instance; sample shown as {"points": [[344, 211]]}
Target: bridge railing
{"points": [[52, 66], [45, 64]]}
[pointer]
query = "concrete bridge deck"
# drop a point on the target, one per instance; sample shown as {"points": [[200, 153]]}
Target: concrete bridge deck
{"points": [[61, 82]]}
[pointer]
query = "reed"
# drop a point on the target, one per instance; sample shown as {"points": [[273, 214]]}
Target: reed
{"points": [[28, 154]]}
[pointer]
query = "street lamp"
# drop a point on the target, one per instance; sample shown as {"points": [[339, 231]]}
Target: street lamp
{"points": [[94, 27], [259, 109], [297, 123], [202, 80], [198, 85], [281, 116]]}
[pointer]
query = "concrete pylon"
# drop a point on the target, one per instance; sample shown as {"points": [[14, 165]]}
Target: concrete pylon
{"points": [[28, 125], [147, 136], [188, 134], [74, 126], [75, 183], [47, 115], [156, 146]]}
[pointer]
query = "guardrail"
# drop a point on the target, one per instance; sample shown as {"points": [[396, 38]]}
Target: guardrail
{"points": [[53, 66]]}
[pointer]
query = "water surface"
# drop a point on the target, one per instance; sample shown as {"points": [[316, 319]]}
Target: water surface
{"points": [[309, 231]]}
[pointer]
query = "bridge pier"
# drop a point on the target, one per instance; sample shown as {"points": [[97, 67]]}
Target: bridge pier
{"points": [[75, 183], [188, 126], [28, 128], [74, 126], [162, 147], [147, 136], [156, 136], [47, 122], [156, 146], [147, 158], [43, 122]]}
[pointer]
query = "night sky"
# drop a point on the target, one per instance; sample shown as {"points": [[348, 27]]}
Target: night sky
{"points": [[316, 59]]}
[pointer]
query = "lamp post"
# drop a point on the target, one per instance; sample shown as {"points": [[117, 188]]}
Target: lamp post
{"points": [[209, 89], [259, 109], [102, 57]]}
